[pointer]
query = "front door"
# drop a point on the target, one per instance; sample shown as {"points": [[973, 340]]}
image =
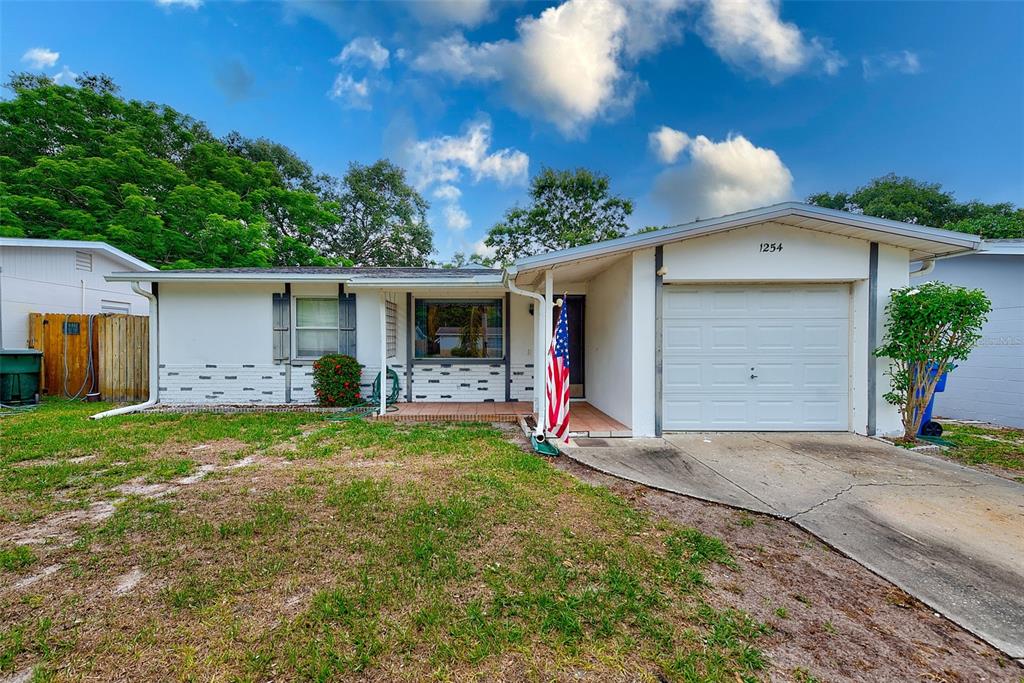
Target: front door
{"points": [[574, 318]]}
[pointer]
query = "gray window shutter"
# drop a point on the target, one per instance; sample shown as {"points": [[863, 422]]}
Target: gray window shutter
{"points": [[282, 327], [347, 324]]}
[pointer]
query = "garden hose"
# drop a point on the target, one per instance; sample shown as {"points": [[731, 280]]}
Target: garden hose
{"points": [[371, 405]]}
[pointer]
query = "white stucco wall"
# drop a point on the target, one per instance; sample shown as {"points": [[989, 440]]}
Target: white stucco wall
{"points": [[216, 346], [735, 256], [643, 343], [46, 280], [989, 385], [609, 339], [806, 256], [893, 273]]}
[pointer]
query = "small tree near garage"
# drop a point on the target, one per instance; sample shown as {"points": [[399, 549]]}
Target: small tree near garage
{"points": [[931, 326]]}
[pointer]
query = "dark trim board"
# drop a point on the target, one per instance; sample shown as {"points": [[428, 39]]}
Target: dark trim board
{"points": [[872, 421], [659, 261], [508, 346]]}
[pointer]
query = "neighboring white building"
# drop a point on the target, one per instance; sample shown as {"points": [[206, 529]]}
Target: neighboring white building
{"points": [[989, 385], [61, 276], [762, 320]]}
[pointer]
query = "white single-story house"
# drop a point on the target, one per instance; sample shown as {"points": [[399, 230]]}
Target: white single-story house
{"points": [[61, 276], [989, 385], [761, 320]]}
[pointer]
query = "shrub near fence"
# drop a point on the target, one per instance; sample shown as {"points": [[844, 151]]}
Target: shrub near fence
{"points": [[112, 357]]}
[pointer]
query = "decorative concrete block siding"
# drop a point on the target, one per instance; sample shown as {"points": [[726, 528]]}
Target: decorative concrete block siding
{"points": [[458, 382], [522, 382], [221, 383]]}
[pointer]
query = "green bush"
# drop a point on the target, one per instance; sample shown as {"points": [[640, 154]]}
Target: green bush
{"points": [[336, 380]]}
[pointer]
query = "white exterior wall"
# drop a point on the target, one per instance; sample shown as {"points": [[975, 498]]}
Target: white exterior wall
{"points": [[893, 273], [523, 343], [216, 344], [989, 385], [643, 343], [806, 256], [609, 337], [46, 280]]}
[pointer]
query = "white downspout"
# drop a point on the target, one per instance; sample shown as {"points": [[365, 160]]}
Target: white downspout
{"points": [[154, 361], [926, 267], [383, 354], [538, 355]]}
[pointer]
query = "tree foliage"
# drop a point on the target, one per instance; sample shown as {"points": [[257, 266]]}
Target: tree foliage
{"points": [[567, 209], [85, 163], [930, 325], [914, 201]]}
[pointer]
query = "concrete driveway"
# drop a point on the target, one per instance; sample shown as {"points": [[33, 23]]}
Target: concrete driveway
{"points": [[950, 536]]}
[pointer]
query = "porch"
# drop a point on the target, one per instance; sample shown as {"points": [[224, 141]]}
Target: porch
{"points": [[584, 419]]}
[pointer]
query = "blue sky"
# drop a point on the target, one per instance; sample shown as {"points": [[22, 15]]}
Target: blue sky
{"points": [[692, 107]]}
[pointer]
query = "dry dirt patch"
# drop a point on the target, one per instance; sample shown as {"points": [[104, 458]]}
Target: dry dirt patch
{"points": [[831, 617]]}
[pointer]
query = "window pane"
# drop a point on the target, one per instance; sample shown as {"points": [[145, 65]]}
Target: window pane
{"points": [[459, 329], [316, 313], [315, 343]]}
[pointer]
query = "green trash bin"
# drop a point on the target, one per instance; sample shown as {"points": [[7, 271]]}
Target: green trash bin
{"points": [[19, 376]]}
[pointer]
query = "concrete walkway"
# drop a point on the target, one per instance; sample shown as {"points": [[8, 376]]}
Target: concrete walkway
{"points": [[950, 536]]}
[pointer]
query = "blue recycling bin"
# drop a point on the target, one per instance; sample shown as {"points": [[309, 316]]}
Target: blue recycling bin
{"points": [[939, 386]]}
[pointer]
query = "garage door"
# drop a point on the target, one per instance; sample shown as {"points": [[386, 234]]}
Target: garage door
{"points": [[742, 357]]}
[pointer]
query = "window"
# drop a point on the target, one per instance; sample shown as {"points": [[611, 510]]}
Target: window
{"points": [[316, 327], [83, 260], [459, 329], [108, 306], [391, 318]]}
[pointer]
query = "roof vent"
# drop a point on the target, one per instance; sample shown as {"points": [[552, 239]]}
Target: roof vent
{"points": [[83, 261]]}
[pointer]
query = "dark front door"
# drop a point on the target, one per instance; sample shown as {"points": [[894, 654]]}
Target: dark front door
{"points": [[575, 320]]}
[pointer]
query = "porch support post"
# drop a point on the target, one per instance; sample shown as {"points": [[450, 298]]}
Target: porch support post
{"points": [[383, 354], [546, 337], [410, 334], [507, 317]]}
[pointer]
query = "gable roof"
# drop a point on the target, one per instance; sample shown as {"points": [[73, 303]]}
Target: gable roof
{"points": [[924, 242], [124, 258]]}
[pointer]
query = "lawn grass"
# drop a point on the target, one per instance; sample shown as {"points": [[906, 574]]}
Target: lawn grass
{"points": [[981, 445], [348, 550]]}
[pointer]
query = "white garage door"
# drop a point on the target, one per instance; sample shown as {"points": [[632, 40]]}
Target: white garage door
{"points": [[756, 357]]}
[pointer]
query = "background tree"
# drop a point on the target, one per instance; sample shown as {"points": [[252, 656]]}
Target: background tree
{"points": [[930, 325], [567, 209], [84, 163], [914, 201], [382, 221]]}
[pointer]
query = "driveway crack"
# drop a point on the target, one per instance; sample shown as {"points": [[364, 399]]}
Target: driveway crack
{"points": [[854, 485]]}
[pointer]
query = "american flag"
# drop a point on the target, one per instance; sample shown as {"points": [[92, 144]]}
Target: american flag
{"points": [[557, 385]]}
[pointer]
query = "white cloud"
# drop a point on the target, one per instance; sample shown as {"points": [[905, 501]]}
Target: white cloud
{"points": [[65, 77], [40, 57], [438, 164], [442, 159], [455, 218], [723, 177], [354, 94], [467, 13], [567, 65], [902, 62], [364, 50], [448, 193], [191, 4], [751, 35], [668, 143], [480, 248]]}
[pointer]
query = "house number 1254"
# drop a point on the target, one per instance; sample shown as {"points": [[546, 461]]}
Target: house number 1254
{"points": [[770, 247]]}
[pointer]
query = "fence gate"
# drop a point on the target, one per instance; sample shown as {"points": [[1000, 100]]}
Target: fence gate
{"points": [[82, 353]]}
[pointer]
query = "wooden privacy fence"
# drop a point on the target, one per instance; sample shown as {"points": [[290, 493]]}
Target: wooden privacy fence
{"points": [[111, 357]]}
